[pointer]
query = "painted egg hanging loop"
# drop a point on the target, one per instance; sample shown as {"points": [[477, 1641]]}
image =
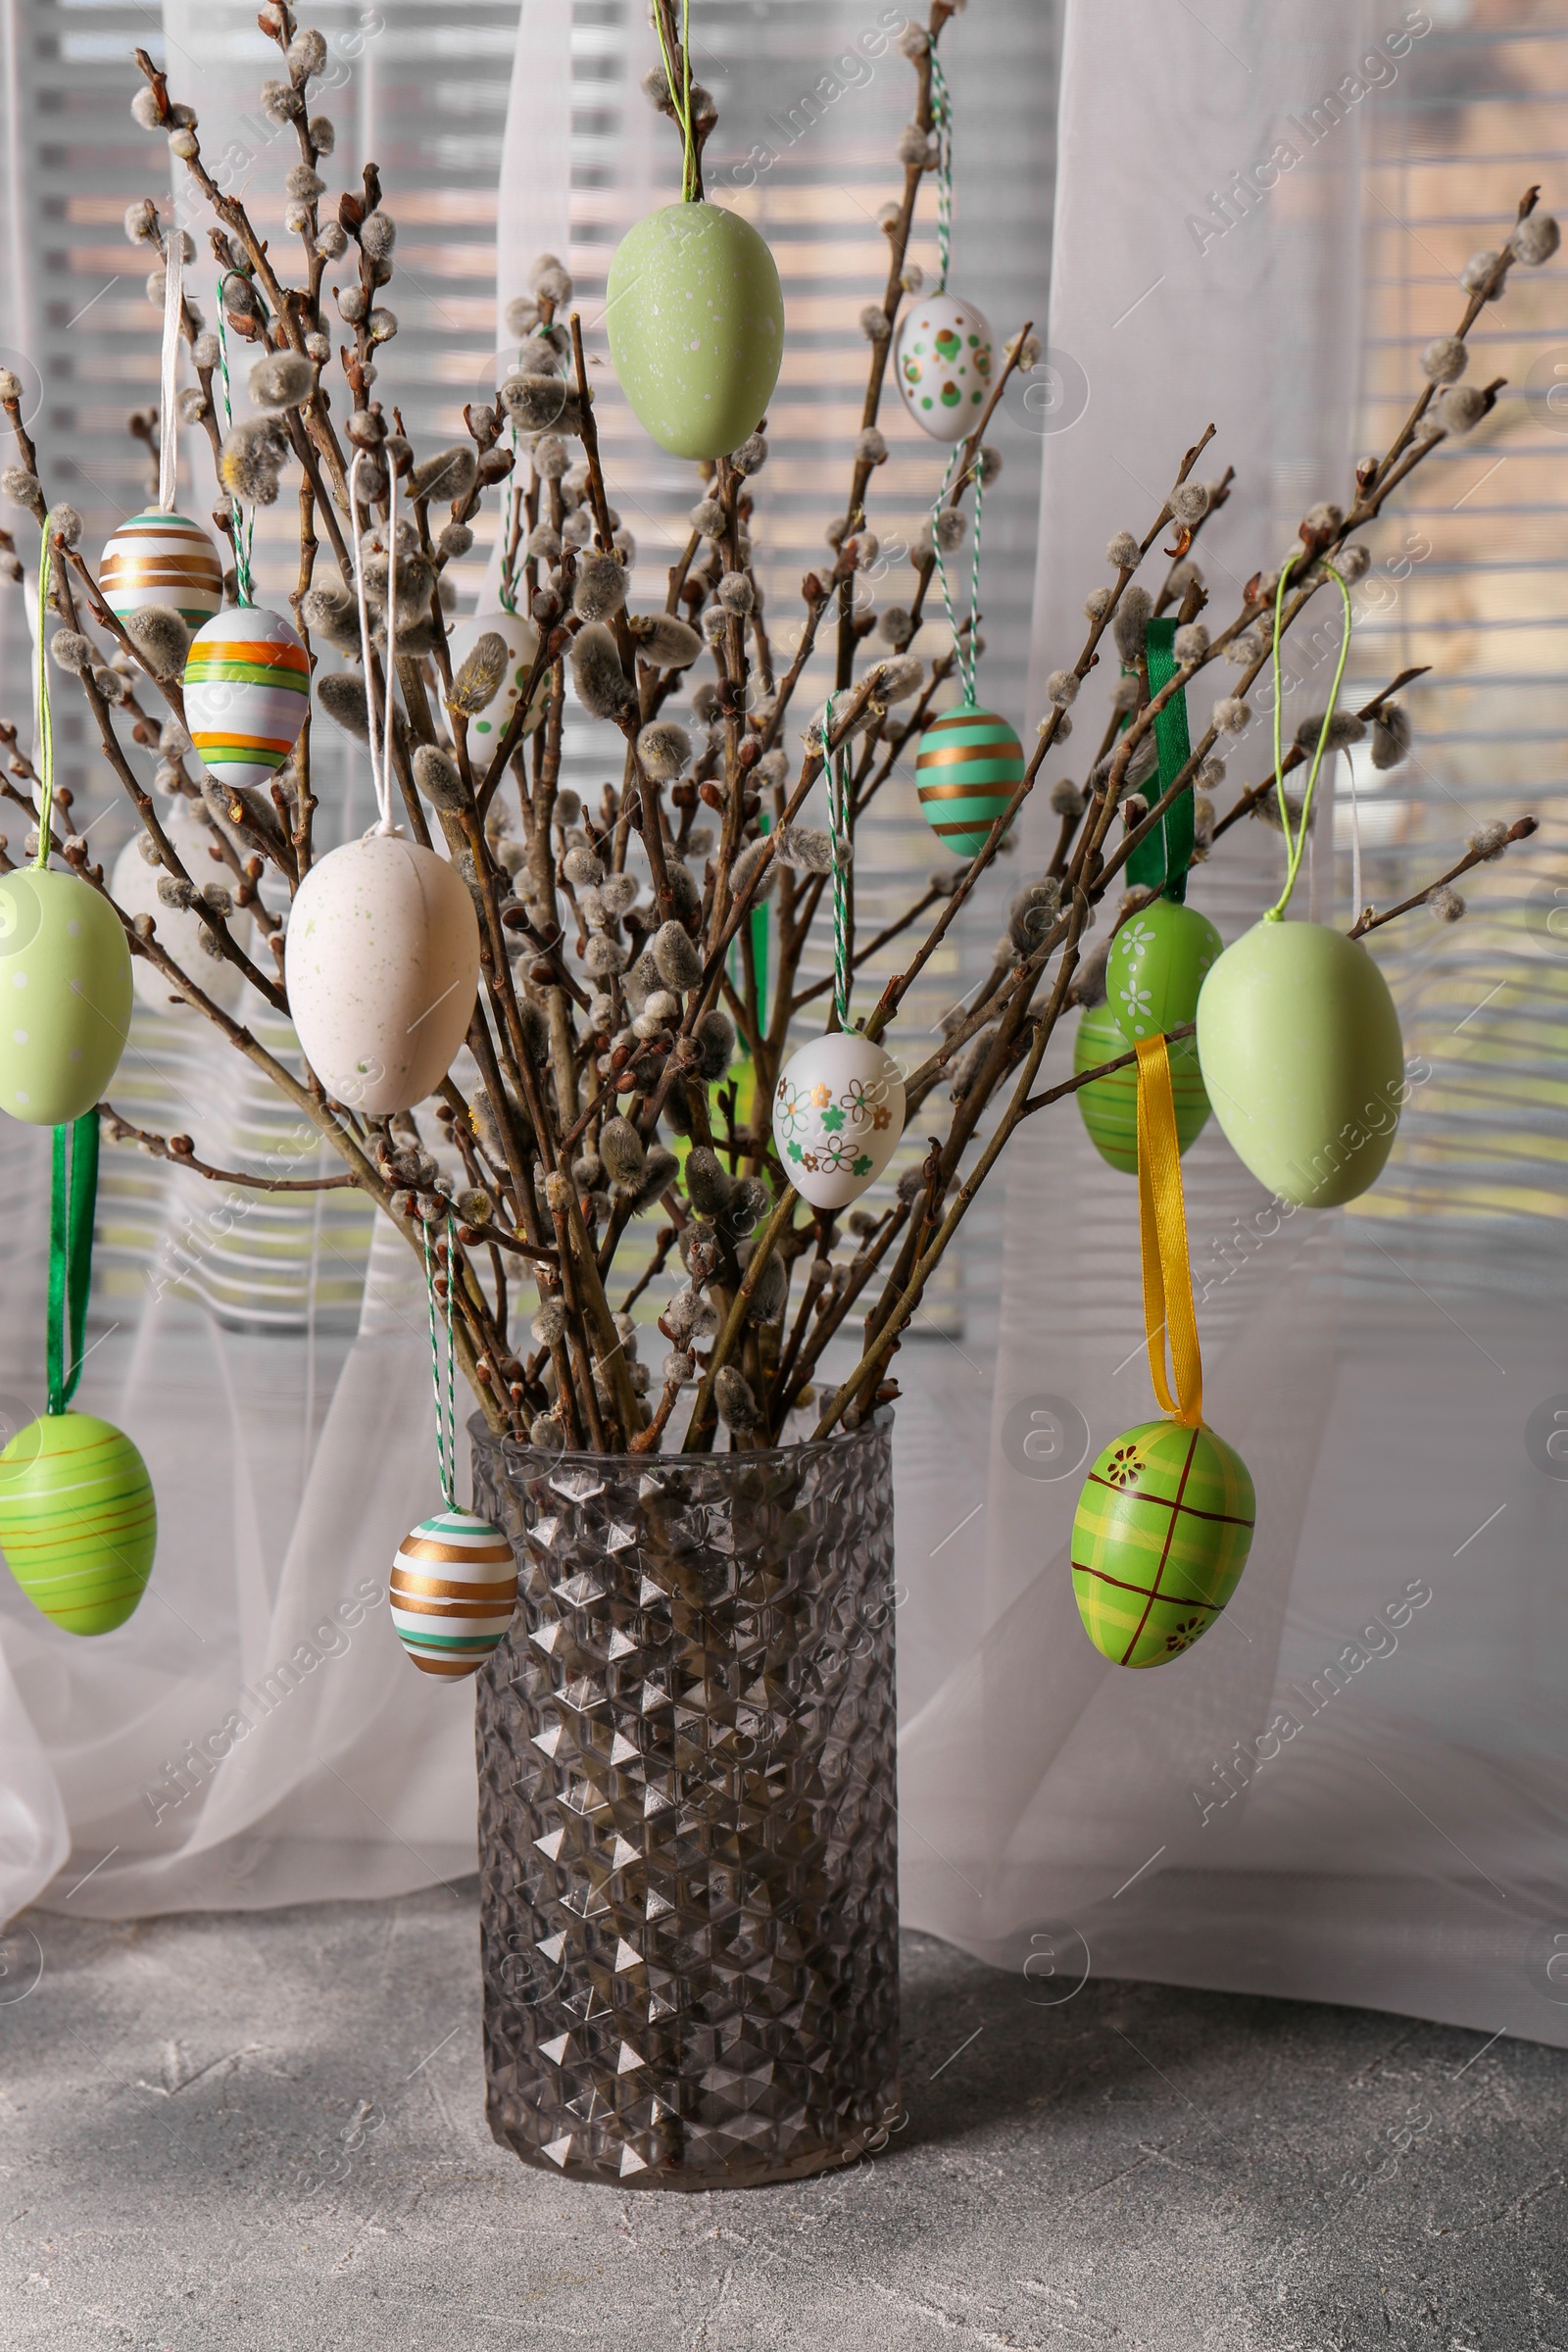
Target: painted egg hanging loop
{"points": [[247, 692], [944, 359], [967, 765], [159, 559], [453, 1589], [695, 314], [838, 1116], [1159, 1540], [78, 1524]]}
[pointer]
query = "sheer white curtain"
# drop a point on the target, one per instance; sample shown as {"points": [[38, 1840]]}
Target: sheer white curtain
{"points": [[1347, 1790]]}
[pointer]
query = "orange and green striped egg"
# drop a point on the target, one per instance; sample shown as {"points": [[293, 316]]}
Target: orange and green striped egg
{"points": [[78, 1524], [1159, 1540], [967, 766], [453, 1589], [247, 691]]}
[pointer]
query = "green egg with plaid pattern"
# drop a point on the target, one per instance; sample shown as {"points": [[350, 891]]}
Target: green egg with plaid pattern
{"points": [[1159, 1540]]}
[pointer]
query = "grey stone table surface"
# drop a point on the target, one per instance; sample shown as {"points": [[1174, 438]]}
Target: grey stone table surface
{"points": [[268, 2130]]}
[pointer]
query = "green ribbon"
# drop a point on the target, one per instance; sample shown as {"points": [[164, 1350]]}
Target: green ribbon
{"points": [[72, 1201], [1161, 859]]}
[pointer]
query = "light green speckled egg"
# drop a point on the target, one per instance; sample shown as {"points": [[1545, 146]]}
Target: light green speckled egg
{"points": [[1301, 1054], [64, 995], [695, 321]]}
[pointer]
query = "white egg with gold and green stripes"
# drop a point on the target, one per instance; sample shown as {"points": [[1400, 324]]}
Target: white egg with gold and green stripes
{"points": [[967, 766], [247, 691], [453, 1589], [159, 559]]}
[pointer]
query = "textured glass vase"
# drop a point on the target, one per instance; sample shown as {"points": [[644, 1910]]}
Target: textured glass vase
{"points": [[687, 1810]]}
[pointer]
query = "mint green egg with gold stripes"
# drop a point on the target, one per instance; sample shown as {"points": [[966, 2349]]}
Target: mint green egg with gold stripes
{"points": [[157, 559], [968, 767], [78, 1524], [1109, 1107], [453, 1587], [1159, 1540], [247, 691]]}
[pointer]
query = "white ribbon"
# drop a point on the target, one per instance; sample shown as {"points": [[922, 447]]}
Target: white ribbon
{"points": [[173, 297], [380, 766]]}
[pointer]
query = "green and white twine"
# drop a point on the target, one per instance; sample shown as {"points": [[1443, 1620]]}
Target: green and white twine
{"points": [[942, 124], [967, 654], [446, 1418], [841, 819], [46, 722], [244, 531]]}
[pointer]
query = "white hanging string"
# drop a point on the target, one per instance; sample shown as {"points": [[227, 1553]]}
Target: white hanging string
{"points": [[380, 762], [174, 298], [1356, 901]]}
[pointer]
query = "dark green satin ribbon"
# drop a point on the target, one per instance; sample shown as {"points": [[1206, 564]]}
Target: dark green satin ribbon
{"points": [[1162, 860], [72, 1201]]}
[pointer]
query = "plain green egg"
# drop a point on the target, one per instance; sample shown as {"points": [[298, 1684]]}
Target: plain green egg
{"points": [[64, 995], [695, 321], [1301, 1054]]}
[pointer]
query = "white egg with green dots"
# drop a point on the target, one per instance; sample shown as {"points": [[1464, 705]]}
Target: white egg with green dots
{"points": [[523, 646]]}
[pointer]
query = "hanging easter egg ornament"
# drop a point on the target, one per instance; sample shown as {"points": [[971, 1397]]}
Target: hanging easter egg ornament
{"points": [[65, 967], [943, 354], [838, 1110], [1297, 1032], [942, 359], [522, 640], [381, 962], [694, 310], [1164, 1522], [78, 1524], [247, 691], [967, 765], [160, 557], [838, 1115], [1110, 1105], [969, 762], [455, 1579]]}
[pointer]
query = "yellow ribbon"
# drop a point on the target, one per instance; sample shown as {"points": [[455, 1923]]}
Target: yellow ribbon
{"points": [[1162, 1231]]}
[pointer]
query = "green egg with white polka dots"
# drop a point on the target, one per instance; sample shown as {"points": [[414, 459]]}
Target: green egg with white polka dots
{"points": [[64, 995]]}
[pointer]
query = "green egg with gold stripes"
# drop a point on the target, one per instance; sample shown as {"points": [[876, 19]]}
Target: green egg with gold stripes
{"points": [[967, 766], [1109, 1106], [78, 1524], [1159, 1540]]}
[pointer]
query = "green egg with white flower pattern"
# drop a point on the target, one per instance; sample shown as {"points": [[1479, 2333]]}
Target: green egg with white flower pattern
{"points": [[1158, 961], [695, 321], [64, 995]]}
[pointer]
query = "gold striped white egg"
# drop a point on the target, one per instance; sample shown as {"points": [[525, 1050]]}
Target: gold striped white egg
{"points": [[453, 1589]]}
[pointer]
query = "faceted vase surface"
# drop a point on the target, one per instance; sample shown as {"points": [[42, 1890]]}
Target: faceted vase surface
{"points": [[687, 1811]]}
